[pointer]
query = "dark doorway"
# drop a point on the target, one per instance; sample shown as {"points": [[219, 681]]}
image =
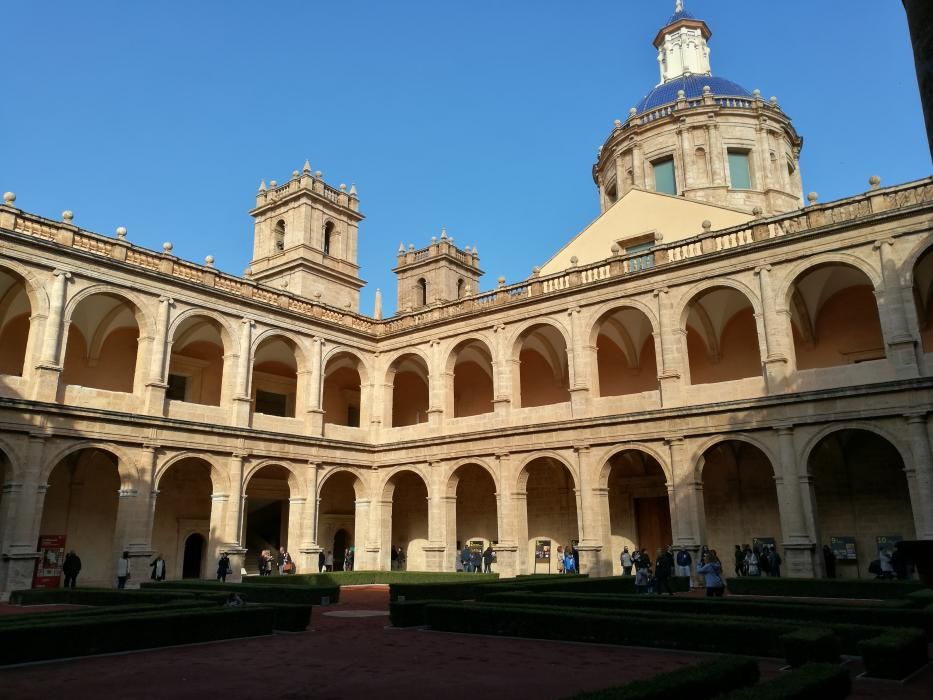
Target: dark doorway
{"points": [[341, 541], [653, 524], [194, 552]]}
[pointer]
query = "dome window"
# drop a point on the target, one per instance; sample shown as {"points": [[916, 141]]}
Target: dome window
{"points": [[664, 179], [739, 171]]}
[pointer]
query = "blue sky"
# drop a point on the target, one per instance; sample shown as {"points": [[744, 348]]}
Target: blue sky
{"points": [[483, 117]]}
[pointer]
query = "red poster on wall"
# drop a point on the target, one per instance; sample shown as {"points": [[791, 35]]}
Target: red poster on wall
{"points": [[49, 565]]}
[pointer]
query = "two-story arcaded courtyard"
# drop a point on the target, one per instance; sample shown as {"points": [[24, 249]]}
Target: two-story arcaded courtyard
{"points": [[709, 362]]}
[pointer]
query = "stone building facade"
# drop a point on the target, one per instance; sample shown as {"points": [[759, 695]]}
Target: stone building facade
{"points": [[771, 379]]}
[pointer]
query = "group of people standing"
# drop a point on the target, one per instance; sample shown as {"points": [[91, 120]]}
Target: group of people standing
{"points": [[757, 560], [476, 561], [267, 562], [669, 564]]}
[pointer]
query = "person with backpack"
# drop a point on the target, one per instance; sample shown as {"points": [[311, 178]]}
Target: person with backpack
{"points": [[663, 570], [711, 569], [465, 557]]}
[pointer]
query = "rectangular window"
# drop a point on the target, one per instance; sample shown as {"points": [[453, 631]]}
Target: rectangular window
{"points": [[353, 416], [270, 403], [738, 170], [177, 387], [664, 180]]}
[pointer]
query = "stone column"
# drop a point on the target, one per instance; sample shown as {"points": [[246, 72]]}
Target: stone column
{"points": [[48, 371], [717, 156], [671, 339], [241, 395], [506, 549], [577, 366], [921, 483], [798, 538], [21, 514], [688, 513], [594, 523], [435, 386], [381, 535], [901, 345], [775, 357], [502, 373], [220, 504], [157, 382], [436, 548], [363, 559], [232, 534], [519, 509], [315, 422], [620, 177], [638, 165], [308, 547]]}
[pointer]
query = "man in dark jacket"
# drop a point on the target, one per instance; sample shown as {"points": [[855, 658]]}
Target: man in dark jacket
{"points": [[488, 557], [663, 570], [71, 567]]}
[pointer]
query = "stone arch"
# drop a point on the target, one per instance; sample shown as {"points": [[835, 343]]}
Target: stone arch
{"points": [[220, 480], [541, 350], [919, 250], [786, 288], [472, 509], [919, 277], [595, 315], [278, 359], [362, 364], [551, 491], [385, 487], [721, 334], [696, 459], [104, 346], [471, 390], [18, 309], [603, 459], [14, 471], [521, 481], [344, 377], [409, 376], [626, 359], [359, 482], [270, 519], [518, 330], [408, 517], [35, 290], [199, 346], [231, 341], [130, 473], [834, 315], [338, 527], [295, 481], [451, 478], [882, 432]]}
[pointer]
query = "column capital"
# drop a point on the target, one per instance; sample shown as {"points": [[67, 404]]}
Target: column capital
{"points": [[166, 300], [220, 497], [661, 290], [581, 448], [498, 328], [248, 322], [882, 242], [575, 309], [763, 268], [784, 429], [916, 417], [239, 454], [61, 273], [674, 440]]}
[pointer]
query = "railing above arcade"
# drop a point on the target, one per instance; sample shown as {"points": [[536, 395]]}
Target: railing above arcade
{"points": [[709, 242]]}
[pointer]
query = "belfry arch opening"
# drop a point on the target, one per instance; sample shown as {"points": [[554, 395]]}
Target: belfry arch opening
{"points": [[275, 377], [543, 372], [329, 236], [183, 509], [551, 503], [923, 298], [739, 499], [279, 233], [337, 514], [625, 354], [15, 310], [342, 398], [474, 518], [409, 520], [103, 344], [722, 337], [639, 508], [834, 317], [410, 382], [196, 365], [860, 489], [266, 516], [472, 381], [81, 504]]}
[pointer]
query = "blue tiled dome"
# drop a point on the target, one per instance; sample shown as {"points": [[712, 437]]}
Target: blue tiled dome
{"points": [[683, 14], [692, 85]]}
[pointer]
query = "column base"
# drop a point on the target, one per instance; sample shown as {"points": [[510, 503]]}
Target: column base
{"points": [[307, 560], [46, 382], [777, 373], [241, 411], [374, 560], [798, 560], [902, 353], [16, 572], [434, 555], [237, 556], [139, 567], [155, 399], [506, 564], [590, 561], [670, 389], [579, 400], [501, 407], [314, 422], [435, 416]]}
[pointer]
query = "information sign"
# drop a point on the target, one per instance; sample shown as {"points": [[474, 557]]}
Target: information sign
{"points": [[843, 548], [48, 572]]}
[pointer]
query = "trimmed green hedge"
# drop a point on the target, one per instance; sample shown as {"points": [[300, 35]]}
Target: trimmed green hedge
{"points": [[408, 613], [30, 641], [920, 599], [81, 613], [701, 682], [450, 590], [256, 593], [895, 654], [809, 682], [95, 596], [362, 578], [874, 615], [289, 617], [821, 587], [576, 584], [810, 644]]}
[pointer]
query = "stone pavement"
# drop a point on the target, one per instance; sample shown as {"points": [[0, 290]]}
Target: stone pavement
{"points": [[353, 655]]}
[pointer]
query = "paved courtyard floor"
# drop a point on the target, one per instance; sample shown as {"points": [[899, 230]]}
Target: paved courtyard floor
{"points": [[350, 653]]}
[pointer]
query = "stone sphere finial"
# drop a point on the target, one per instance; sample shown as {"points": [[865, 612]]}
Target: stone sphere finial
{"points": [[295, 174], [574, 260], [681, 94], [756, 211], [615, 249], [874, 181], [68, 216], [433, 240], [9, 198], [501, 281], [812, 197], [411, 247], [273, 184], [707, 224], [617, 123], [121, 232], [756, 93], [536, 270], [209, 261], [167, 246], [318, 174], [343, 187], [773, 101], [707, 90], [632, 112]]}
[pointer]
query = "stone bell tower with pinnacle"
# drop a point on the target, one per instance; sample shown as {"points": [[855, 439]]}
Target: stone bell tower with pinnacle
{"points": [[305, 239]]}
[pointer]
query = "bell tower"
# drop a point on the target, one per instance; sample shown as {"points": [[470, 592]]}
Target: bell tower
{"points": [[305, 239], [439, 272]]}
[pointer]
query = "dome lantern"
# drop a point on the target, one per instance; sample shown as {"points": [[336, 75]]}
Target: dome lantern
{"points": [[682, 45]]}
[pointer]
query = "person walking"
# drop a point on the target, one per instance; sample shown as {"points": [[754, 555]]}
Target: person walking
{"points": [[684, 564], [158, 568], [348, 559], [559, 559], [321, 559], [711, 569], [123, 570], [627, 562], [570, 564], [663, 570], [329, 560], [829, 561], [739, 561], [223, 567], [71, 567], [476, 561], [489, 556], [774, 562], [401, 559], [286, 565]]}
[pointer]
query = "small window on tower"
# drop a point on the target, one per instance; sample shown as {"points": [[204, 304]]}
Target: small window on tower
{"points": [[664, 179], [280, 235], [460, 288], [739, 173], [422, 292], [328, 235]]}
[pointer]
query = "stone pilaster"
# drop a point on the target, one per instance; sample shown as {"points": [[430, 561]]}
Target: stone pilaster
{"points": [[921, 481], [315, 384], [900, 344], [672, 346], [241, 394], [161, 348], [578, 366], [775, 357], [799, 541], [48, 371]]}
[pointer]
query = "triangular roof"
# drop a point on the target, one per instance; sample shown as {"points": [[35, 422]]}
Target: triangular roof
{"points": [[640, 213]]}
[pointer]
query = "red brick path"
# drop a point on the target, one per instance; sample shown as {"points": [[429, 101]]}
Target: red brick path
{"points": [[359, 658]]}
